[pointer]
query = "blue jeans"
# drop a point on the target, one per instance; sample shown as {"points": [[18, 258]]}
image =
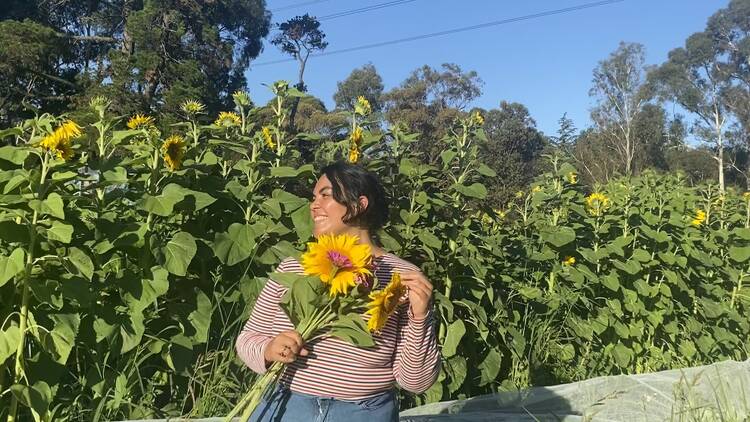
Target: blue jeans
{"points": [[284, 405]]}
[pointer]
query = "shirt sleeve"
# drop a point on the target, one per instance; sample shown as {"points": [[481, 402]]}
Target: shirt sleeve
{"points": [[417, 362], [259, 329]]}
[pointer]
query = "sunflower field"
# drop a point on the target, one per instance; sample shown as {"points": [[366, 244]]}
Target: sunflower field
{"points": [[131, 252]]}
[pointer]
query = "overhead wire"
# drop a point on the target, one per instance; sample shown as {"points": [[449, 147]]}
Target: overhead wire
{"points": [[453, 31], [296, 5], [364, 9]]}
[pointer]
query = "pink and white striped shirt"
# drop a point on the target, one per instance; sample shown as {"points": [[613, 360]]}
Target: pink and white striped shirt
{"points": [[405, 352]]}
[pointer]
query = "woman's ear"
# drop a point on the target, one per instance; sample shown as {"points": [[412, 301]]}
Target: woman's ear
{"points": [[363, 202]]}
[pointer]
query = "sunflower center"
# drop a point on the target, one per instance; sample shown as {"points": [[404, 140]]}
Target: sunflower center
{"points": [[340, 261]]}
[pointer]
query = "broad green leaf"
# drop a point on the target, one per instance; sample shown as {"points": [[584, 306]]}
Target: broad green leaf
{"points": [[560, 236], [37, 397], [622, 354], [179, 252], [13, 154], [303, 223], [131, 331], [9, 342], [236, 245], [60, 231], [200, 318], [430, 239], [457, 369], [352, 329], [475, 190], [490, 367], [54, 206], [81, 261], [486, 171], [283, 172], [11, 265], [60, 340], [739, 253], [456, 331]]}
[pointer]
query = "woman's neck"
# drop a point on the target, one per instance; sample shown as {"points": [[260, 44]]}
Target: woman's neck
{"points": [[366, 239]]}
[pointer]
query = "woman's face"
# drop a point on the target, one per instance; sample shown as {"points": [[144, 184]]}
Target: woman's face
{"points": [[326, 213]]}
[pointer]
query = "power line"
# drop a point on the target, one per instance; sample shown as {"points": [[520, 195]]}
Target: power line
{"points": [[453, 31], [364, 9], [296, 5]]}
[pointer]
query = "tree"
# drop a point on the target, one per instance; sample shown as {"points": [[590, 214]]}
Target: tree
{"points": [[512, 149], [429, 101], [364, 81], [566, 134], [693, 78], [300, 36], [619, 86], [146, 56]]}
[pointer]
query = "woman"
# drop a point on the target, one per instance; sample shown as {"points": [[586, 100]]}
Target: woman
{"points": [[329, 379]]}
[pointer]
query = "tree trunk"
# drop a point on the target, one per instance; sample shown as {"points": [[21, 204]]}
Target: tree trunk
{"points": [[300, 86]]}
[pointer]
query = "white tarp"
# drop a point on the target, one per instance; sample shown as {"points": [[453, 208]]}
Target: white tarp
{"points": [[718, 392]]}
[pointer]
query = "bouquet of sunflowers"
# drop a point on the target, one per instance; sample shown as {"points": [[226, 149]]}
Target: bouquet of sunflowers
{"points": [[337, 288]]}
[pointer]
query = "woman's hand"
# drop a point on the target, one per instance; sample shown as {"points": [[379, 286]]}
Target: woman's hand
{"points": [[285, 348], [420, 292]]}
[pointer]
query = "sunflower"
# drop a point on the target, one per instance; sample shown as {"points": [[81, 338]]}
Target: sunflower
{"points": [[267, 137], [192, 107], [384, 303], [363, 106], [58, 142], [572, 178], [339, 261], [569, 261], [356, 136], [700, 217], [597, 203], [746, 196], [139, 121], [228, 119], [241, 98], [477, 118], [353, 154], [174, 150]]}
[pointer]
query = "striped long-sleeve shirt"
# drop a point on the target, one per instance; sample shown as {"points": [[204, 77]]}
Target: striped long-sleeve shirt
{"points": [[405, 350]]}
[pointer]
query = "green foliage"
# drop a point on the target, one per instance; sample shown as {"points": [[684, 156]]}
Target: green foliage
{"points": [[127, 281]]}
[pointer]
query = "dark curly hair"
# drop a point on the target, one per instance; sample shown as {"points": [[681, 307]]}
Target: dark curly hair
{"points": [[349, 182]]}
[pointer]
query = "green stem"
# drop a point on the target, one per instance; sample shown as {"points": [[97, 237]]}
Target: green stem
{"points": [[18, 373]]}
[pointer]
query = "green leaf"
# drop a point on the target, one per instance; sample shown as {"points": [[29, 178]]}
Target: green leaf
{"points": [[475, 190], [179, 252], [283, 172], [81, 261], [60, 231], [131, 331], [303, 223], [610, 281], [490, 367], [352, 329], [37, 397], [236, 245], [116, 175], [622, 354], [456, 331], [11, 265], [14, 154], [447, 156], [430, 239], [189, 200], [560, 236], [739, 254], [486, 171], [54, 206], [162, 205], [60, 340], [200, 318], [9, 342]]}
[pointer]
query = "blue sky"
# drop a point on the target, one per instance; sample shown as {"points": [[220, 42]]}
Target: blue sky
{"points": [[544, 63]]}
